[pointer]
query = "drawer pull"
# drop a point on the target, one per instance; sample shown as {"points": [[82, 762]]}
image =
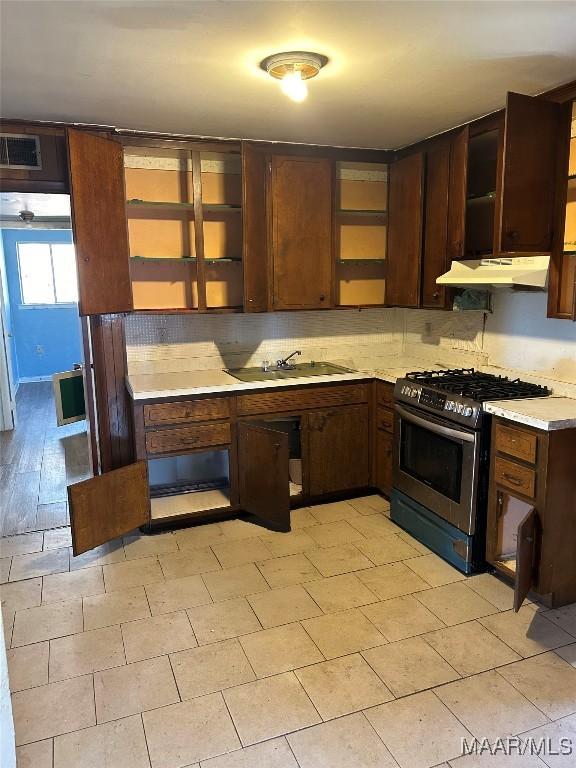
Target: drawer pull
{"points": [[512, 479]]}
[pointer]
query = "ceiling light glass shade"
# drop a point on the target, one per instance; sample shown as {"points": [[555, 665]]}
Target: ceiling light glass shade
{"points": [[293, 69], [294, 86]]}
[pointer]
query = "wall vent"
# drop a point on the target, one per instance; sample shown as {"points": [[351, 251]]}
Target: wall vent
{"points": [[20, 151]]}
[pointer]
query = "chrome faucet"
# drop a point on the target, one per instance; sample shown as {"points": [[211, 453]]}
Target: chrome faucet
{"points": [[284, 364]]}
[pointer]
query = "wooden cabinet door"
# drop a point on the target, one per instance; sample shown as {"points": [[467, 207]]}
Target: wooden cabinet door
{"points": [[96, 168], [404, 251], [255, 230], [525, 557], [264, 482], [531, 133], [383, 461], [108, 506], [338, 449], [457, 194], [435, 256], [301, 232]]}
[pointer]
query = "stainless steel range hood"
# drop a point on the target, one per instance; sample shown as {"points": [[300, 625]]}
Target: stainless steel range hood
{"points": [[530, 271]]}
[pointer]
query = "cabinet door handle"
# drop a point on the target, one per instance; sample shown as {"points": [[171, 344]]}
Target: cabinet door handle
{"points": [[512, 234], [512, 479], [322, 297]]}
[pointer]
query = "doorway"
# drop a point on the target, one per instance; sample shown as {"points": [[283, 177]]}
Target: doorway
{"points": [[41, 452]]}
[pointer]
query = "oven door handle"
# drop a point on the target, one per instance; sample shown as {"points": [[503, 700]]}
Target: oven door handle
{"points": [[433, 426]]}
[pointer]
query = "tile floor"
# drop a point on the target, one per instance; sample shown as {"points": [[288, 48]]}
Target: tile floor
{"points": [[344, 644]]}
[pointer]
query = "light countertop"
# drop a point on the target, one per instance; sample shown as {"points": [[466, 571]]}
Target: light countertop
{"points": [[547, 413]]}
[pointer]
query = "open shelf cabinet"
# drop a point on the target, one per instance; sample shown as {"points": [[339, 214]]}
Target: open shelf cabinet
{"points": [[360, 233], [184, 211]]}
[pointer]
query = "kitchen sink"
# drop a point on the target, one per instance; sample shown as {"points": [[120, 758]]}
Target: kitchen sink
{"points": [[300, 370]]}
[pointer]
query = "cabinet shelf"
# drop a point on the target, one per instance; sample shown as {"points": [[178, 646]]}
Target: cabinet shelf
{"points": [[186, 259], [159, 205], [353, 213], [360, 261], [487, 197], [221, 208]]}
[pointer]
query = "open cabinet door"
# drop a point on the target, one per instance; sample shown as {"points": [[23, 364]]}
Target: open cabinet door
{"points": [[531, 133], [108, 506], [525, 550], [100, 229], [263, 455]]}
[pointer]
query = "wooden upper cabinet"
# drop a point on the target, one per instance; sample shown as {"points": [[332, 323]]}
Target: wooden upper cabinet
{"points": [[255, 236], [301, 191], [96, 170], [531, 135], [404, 252], [435, 259], [457, 194]]}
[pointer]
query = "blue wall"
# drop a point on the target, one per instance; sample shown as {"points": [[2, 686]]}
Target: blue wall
{"points": [[47, 338]]}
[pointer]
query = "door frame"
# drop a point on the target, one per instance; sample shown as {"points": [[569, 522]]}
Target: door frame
{"points": [[7, 390]]}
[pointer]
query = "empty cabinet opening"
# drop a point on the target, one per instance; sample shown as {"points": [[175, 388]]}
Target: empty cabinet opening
{"points": [[183, 485], [291, 427], [481, 193], [512, 512]]}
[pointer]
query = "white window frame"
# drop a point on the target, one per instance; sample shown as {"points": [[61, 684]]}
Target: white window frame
{"points": [[36, 304]]}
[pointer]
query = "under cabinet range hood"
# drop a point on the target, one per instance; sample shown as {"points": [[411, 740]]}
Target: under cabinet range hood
{"points": [[529, 271]]}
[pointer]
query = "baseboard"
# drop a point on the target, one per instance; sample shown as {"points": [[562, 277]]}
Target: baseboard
{"points": [[32, 379]]}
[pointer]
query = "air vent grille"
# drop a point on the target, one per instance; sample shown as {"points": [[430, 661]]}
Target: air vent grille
{"points": [[20, 151]]}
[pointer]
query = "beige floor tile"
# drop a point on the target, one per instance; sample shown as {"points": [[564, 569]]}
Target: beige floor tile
{"points": [[28, 666], [271, 707], [158, 636], [115, 608], [434, 570], [66, 586], [236, 530], [489, 706], [470, 648], [409, 666], [19, 595], [111, 552], [302, 518], [57, 538], [223, 620], [168, 732], [269, 754], [486, 760], [560, 735], [138, 545], [285, 571], [119, 744], [340, 592], [132, 573], [281, 544], [417, 545], [192, 562], [343, 743], [342, 686], [86, 652], [392, 580], [211, 668], [401, 617], [331, 534], [235, 582], [332, 513], [199, 536], [367, 505], [7, 629], [528, 632], [418, 730], [22, 544], [133, 688], [492, 589], [46, 622], [547, 681], [343, 558], [283, 606], [176, 594], [5, 563], [386, 549], [568, 653], [280, 649], [36, 755], [339, 634], [39, 564], [50, 710], [565, 618], [455, 603], [374, 525], [232, 553]]}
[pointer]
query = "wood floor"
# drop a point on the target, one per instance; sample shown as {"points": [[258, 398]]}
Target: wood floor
{"points": [[37, 461]]}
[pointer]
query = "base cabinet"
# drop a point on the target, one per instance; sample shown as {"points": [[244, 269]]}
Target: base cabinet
{"points": [[383, 461], [383, 437]]}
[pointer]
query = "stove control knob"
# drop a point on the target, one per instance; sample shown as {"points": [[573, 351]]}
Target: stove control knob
{"points": [[449, 405], [468, 411], [460, 408]]}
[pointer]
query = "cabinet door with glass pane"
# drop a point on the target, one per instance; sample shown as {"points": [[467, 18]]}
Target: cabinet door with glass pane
{"points": [[185, 227]]}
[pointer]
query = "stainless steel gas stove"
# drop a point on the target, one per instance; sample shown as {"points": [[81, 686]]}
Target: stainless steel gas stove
{"points": [[441, 457]]}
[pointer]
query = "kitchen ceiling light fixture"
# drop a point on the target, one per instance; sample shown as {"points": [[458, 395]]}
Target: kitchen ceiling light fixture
{"points": [[293, 68]]}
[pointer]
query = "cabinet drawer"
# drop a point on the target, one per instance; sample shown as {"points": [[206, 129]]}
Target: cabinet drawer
{"points": [[186, 410], [384, 419], [186, 438], [385, 394], [515, 477], [516, 442], [301, 399]]}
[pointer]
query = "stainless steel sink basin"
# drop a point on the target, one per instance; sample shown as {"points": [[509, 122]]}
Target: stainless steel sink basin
{"points": [[300, 370]]}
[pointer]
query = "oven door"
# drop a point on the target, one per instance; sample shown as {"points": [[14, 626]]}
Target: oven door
{"points": [[436, 464]]}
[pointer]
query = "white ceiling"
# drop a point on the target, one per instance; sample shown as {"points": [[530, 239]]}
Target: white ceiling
{"points": [[398, 71]]}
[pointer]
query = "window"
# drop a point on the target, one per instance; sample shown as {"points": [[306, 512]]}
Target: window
{"points": [[47, 273]]}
